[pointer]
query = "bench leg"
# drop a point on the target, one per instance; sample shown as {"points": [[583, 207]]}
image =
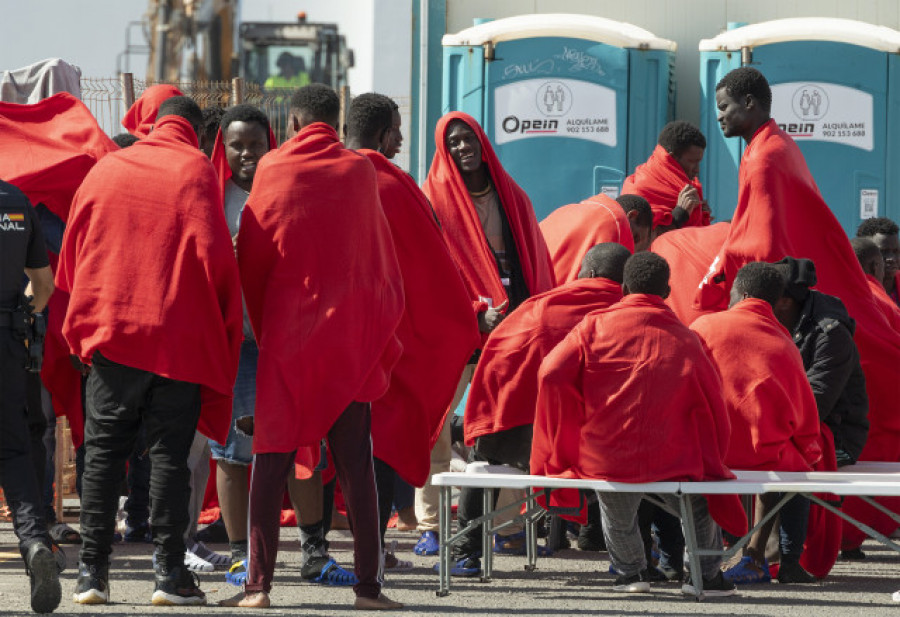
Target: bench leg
{"points": [[530, 532], [487, 532], [690, 540], [444, 524]]}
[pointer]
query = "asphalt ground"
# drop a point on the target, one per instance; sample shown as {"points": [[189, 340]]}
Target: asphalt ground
{"points": [[571, 583]]}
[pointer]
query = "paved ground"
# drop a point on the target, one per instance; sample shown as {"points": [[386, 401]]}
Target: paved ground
{"points": [[565, 585]]}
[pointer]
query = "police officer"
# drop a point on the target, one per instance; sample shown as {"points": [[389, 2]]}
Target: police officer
{"points": [[22, 249]]}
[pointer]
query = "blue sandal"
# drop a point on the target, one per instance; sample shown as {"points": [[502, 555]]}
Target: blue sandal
{"points": [[237, 573], [333, 574], [428, 544], [746, 572]]}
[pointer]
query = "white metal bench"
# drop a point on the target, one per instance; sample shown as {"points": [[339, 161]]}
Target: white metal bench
{"points": [[865, 480]]}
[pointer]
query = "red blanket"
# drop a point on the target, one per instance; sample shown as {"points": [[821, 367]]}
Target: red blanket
{"points": [[141, 116], [571, 231], [48, 148], [659, 181], [322, 285], [689, 252], [462, 228], [774, 420], [149, 264], [781, 212], [438, 331], [504, 388], [630, 396], [887, 307]]}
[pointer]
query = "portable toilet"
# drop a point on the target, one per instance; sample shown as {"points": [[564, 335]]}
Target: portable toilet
{"points": [[572, 103], [834, 90]]}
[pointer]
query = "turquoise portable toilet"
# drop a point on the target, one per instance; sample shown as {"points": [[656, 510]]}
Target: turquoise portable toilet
{"points": [[834, 89], [572, 103]]}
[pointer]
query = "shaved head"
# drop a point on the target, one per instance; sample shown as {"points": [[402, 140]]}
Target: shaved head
{"points": [[606, 260]]}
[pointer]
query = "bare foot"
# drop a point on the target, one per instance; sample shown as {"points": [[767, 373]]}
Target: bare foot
{"points": [[381, 603], [259, 599], [406, 519]]}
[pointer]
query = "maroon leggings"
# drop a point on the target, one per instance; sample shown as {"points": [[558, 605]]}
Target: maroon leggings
{"points": [[350, 443]]}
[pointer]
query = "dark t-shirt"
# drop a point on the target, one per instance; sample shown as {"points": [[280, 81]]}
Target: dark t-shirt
{"points": [[21, 243]]}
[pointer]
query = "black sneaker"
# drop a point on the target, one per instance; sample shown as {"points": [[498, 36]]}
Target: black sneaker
{"points": [[214, 533], [635, 583], [791, 572], [717, 586], [176, 586], [44, 574], [853, 554], [92, 586]]}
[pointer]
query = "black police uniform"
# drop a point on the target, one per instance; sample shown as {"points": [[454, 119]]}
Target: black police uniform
{"points": [[21, 246]]}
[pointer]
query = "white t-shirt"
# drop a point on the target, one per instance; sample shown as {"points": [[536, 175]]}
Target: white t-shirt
{"points": [[235, 198]]}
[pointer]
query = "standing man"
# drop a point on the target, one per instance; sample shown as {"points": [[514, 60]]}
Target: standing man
{"points": [[324, 295], [156, 310], [494, 238], [22, 250], [886, 235]]}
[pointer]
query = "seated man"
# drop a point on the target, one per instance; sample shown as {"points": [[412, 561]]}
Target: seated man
{"points": [[884, 233], [774, 423], [630, 396], [668, 180], [571, 230], [500, 409]]}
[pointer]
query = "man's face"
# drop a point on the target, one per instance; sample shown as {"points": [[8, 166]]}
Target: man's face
{"points": [[690, 160], [245, 144], [890, 251], [464, 147], [734, 117], [393, 139]]}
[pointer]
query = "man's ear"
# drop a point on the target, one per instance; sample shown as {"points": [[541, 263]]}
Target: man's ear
{"points": [[749, 101], [625, 291], [294, 122], [668, 291]]}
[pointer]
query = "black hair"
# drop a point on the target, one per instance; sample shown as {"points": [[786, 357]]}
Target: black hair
{"points": [[678, 136], [865, 249], [244, 113], [184, 107], [317, 103], [212, 116], [636, 202], [606, 260], [370, 115], [747, 80], [123, 140], [646, 273], [761, 280], [880, 225]]}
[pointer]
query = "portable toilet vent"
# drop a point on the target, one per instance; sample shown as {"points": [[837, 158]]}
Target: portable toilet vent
{"points": [[572, 103], [834, 90]]}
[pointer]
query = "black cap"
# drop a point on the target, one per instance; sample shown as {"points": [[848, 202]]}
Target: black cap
{"points": [[799, 275]]}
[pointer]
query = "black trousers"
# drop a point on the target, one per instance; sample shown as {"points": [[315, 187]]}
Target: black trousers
{"points": [[120, 400], [17, 470]]}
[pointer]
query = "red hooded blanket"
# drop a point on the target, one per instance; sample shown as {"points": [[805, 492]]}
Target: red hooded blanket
{"points": [[150, 267], [781, 212], [438, 331], [504, 388], [659, 181], [630, 396], [322, 285], [890, 310], [462, 227], [141, 115], [571, 231]]}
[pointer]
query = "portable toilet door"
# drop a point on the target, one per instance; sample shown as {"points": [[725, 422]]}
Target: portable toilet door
{"points": [[571, 103], [831, 91]]}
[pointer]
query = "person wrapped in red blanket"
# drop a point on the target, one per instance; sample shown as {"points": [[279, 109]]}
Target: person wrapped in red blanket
{"points": [[781, 212], [570, 231], [774, 421], [630, 396], [872, 262], [668, 180], [438, 330], [324, 294], [141, 115], [885, 233], [155, 308]]}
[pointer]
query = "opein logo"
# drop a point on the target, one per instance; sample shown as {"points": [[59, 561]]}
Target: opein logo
{"points": [[553, 99], [809, 104]]}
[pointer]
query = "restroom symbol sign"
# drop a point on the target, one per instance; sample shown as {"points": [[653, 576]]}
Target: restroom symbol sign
{"points": [[554, 98], [810, 102]]}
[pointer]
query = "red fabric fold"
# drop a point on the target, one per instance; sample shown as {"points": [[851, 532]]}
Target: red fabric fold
{"points": [[598, 417], [504, 387], [438, 331], [659, 181], [462, 228], [49, 147], [141, 116], [322, 285], [571, 231], [150, 267], [887, 307]]}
